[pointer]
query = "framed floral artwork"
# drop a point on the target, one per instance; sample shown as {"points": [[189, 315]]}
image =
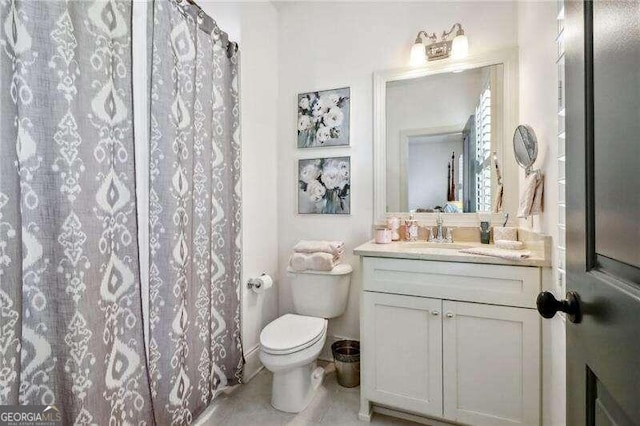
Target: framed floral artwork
{"points": [[324, 186], [323, 118]]}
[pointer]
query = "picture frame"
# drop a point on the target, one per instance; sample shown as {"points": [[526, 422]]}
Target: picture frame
{"points": [[324, 185], [324, 118]]}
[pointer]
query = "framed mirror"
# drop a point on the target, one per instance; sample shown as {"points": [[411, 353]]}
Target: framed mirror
{"points": [[436, 130]]}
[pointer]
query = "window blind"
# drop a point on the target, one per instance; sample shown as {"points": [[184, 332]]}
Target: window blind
{"points": [[483, 150]]}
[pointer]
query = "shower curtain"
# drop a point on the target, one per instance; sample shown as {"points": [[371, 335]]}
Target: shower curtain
{"points": [[71, 322], [194, 213], [69, 290]]}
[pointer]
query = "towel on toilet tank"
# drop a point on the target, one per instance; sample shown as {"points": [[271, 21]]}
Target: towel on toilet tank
{"points": [[318, 261], [335, 248]]}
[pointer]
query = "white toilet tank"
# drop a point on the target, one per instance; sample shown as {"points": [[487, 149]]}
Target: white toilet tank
{"points": [[321, 294]]}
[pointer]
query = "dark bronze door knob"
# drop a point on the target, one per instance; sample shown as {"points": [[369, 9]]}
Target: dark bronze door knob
{"points": [[548, 306]]}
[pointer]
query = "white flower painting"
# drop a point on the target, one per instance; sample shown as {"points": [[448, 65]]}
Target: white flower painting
{"points": [[324, 186], [323, 118]]}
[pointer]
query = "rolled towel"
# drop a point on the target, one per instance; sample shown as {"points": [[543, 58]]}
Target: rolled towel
{"points": [[314, 261], [321, 262], [335, 248], [298, 262]]}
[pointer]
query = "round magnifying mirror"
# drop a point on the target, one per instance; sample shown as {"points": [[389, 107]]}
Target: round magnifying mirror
{"points": [[525, 146]]}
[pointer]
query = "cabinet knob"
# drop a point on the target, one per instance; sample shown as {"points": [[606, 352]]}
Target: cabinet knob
{"points": [[450, 315], [435, 313]]}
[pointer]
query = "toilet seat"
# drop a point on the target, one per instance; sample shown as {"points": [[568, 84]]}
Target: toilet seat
{"points": [[292, 333]]}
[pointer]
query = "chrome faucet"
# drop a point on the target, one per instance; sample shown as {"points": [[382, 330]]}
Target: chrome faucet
{"points": [[443, 234]]}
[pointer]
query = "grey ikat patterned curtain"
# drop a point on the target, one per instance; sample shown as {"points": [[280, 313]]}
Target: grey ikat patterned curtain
{"points": [[71, 326], [194, 211], [70, 311]]}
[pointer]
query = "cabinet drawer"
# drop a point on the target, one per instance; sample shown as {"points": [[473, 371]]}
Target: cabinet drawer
{"points": [[472, 282]]}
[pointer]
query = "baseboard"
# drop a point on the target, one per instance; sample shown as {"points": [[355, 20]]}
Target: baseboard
{"points": [[411, 417], [252, 364]]}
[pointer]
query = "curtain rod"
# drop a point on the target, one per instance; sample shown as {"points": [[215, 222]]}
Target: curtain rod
{"points": [[215, 31]]}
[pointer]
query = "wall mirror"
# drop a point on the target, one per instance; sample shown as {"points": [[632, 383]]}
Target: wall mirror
{"points": [[436, 129]]}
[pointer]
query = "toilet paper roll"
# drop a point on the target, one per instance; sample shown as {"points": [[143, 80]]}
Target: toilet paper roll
{"points": [[261, 284]]}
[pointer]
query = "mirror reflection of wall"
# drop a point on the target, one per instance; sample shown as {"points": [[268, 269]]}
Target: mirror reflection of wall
{"points": [[441, 130], [429, 171]]}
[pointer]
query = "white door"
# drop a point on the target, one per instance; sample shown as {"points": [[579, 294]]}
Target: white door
{"points": [[402, 357], [491, 363]]}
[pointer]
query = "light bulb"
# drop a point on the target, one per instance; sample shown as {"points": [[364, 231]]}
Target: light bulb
{"points": [[418, 55], [460, 46]]}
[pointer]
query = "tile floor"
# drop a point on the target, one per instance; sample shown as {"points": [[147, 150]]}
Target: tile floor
{"points": [[249, 405]]}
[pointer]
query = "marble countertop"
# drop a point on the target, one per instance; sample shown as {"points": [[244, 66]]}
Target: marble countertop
{"points": [[540, 252]]}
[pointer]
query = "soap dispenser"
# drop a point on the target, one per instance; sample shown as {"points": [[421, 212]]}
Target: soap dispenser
{"points": [[485, 232], [412, 228]]}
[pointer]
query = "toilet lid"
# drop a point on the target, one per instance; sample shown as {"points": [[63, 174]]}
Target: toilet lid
{"points": [[292, 333]]}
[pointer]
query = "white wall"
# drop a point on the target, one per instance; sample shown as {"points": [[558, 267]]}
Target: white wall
{"points": [[436, 101], [537, 28], [427, 172], [327, 45], [254, 27], [306, 46]]}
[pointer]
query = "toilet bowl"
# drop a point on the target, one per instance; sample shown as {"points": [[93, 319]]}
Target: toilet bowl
{"points": [[291, 344]]}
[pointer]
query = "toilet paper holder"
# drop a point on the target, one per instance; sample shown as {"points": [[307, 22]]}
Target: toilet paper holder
{"points": [[255, 282]]}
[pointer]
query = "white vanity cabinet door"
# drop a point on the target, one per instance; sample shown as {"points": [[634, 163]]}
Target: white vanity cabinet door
{"points": [[402, 357], [491, 364]]}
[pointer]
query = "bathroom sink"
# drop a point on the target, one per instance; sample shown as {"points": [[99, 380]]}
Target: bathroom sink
{"points": [[426, 244]]}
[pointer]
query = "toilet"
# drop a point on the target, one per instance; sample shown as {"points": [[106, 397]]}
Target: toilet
{"points": [[291, 344]]}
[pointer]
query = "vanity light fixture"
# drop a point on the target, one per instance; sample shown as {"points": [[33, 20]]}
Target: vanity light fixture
{"points": [[435, 50]]}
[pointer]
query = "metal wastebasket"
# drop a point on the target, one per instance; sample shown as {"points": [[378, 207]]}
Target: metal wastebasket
{"points": [[346, 356]]}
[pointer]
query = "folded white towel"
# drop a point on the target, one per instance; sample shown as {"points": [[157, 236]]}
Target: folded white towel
{"points": [[531, 198], [335, 248], [496, 252], [537, 205], [498, 201], [314, 261]]}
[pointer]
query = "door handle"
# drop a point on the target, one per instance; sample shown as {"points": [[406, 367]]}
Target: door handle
{"points": [[548, 306], [450, 315]]}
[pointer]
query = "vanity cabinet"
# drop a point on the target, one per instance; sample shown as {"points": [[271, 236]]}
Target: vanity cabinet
{"points": [[451, 341], [403, 351], [491, 364]]}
